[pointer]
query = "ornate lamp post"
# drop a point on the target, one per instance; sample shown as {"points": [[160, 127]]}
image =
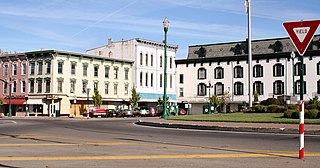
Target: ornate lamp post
{"points": [[293, 55], [166, 24], [88, 90], [209, 104]]}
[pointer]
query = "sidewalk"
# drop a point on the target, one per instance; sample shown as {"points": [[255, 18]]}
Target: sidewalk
{"points": [[230, 126]]}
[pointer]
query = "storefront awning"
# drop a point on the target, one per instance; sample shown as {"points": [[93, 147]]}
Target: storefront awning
{"points": [[34, 101], [15, 101]]}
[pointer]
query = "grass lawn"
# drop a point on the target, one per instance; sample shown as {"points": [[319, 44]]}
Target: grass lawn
{"points": [[244, 117]]}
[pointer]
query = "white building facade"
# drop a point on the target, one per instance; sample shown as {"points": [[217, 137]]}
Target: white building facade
{"points": [[222, 69], [63, 83], [148, 67]]}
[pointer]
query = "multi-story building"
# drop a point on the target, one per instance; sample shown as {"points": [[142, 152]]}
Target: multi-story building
{"points": [[148, 72], [13, 75], [222, 69], [62, 83]]}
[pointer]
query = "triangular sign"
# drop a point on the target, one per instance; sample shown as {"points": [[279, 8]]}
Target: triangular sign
{"points": [[301, 33]]}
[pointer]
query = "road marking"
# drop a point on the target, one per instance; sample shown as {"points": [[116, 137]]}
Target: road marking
{"points": [[139, 157], [66, 144]]}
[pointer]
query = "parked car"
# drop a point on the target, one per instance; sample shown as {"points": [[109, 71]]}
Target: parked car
{"points": [[111, 113], [126, 113], [182, 111], [144, 111], [152, 112], [96, 112]]}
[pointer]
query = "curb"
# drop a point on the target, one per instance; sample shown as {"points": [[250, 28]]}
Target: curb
{"points": [[232, 129]]}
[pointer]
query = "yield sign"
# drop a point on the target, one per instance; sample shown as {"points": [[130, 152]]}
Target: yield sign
{"points": [[301, 33]]}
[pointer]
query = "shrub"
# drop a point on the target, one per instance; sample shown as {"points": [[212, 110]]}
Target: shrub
{"points": [[312, 114], [270, 101], [288, 113], [311, 106], [295, 114], [272, 108], [259, 109], [293, 106]]}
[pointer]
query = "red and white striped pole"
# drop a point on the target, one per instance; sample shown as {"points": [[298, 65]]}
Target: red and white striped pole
{"points": [[301, 129]]}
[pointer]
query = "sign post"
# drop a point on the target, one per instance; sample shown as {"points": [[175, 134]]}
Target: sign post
{"points": [[301, 33]]}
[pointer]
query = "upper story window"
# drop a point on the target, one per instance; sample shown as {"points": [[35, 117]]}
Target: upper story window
{"points": [[31, 86], [110, 54], [48, 81], [151, 60], [106, 71], [161, 61], [141, 79], [5, 70], [258, 87], [151, 80], [39, 81], [72, 85], [278, 87], [115, 88], [298, 87], [48, 67], [84, 86], [297, 69], [202, 73], [100, 53], [318, 68], [278, 70], [84, 69], [14, 69], [146, 79], [23, 86], [147, 59], [181, 78], [95, 71], [116, 72], [258, 71], [141, 59], [238, 72], [218, 88], [161, 80], [40, 67], [170, 62], [23, 68], [202, 89], [5, 88], [218, 73], [238, 88], [126, 74], [95, 85], [73, 68], [60, 67], [32, 66], [59, 87]]}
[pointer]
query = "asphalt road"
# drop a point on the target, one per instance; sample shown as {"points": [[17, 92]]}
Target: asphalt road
{"points": [[113, 142]]}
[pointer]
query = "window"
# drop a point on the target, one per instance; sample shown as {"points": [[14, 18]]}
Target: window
{"points": [[318, 68], [297, 69], [278, 87], [106, 88], [181, 92], [161, 61], [101, 53], [116, 70], [161, 80], [5, 88], [48, 67], [258, 71], [73, 68], [14, 87], [147, 79], [60, 66], [32, 65], [202, 73], [151, 59], [126, 74], [110, 54], [238, 88], [14, 69], [181, 78], [238, 72], [95, 85], [106, 71], [278, 70], [40, 67], [48, 85], [5, 70], [151, 80], [23, 86], [95, 71], [31, 86], [318, 86], [141, 78], [115, 87], [60, 86], [126, 89], [84, 86], [202, 89], [84, 69], [147, 60], [218, 73], [218, 88], [24, 69], [170, 64], [141, 59], [170, 81], [39, 81], [72, 85], [258, 87], [298, 87]]}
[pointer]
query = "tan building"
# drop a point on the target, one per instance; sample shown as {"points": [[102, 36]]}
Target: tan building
{"points": [[62, 83]]}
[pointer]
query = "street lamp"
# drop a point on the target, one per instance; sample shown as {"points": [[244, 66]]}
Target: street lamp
{"points": [[9, 83], [209, 105], [166, 24], [293, 55], [88, 90]]}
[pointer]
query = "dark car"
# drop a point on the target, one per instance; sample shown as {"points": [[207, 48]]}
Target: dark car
{"points": [[152, 112], [111, 113]]}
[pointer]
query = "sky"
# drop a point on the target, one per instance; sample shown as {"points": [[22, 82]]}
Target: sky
{"points": [[78, 25]]}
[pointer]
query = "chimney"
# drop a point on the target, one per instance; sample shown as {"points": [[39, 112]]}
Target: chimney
{"points": [[109, 41]]}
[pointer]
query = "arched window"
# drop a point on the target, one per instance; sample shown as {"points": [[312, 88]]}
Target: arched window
{"points": [[258, 71], [202, 89], [238, 72], [218, 88], [278, 87], [278, 70], [202, 73], [258, 87], [218, 73], [297, 69], [238, 88]]}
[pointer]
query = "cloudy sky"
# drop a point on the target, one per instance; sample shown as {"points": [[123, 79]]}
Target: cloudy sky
{"points": [[78, 25]]}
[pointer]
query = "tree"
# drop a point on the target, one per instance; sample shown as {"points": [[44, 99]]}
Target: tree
{"points": [[1, 101], [225, 99], [135, 97], [256, 96], [97, 98], [215, 102], [160, 101]]}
